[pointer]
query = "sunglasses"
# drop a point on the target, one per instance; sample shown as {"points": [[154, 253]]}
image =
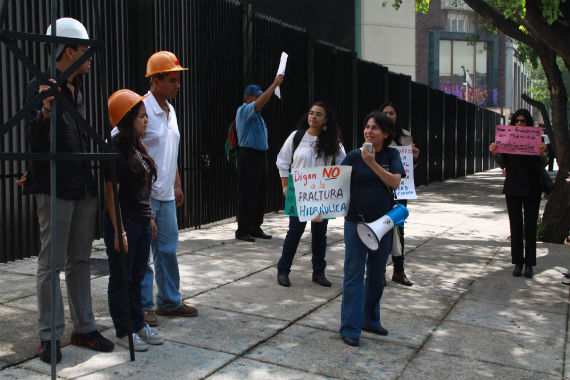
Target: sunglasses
{"points": [[520, 121]]}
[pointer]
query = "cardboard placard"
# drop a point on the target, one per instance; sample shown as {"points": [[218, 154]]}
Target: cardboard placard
{"points": [[518, 139], [322, 190]]}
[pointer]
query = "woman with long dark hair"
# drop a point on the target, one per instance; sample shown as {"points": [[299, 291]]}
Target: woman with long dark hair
{"points": [[402, 137], [522, 192], [314, 143], [134, 173], [373, 177]]}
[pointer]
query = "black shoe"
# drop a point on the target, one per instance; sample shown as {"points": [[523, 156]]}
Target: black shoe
{"points": [[381, 331], [354, 342], [321, 280], [260, 234], [93, 340], [518, 270], [528, 271], [400, 277], [246, 237], [45, 351], [283, 280]]}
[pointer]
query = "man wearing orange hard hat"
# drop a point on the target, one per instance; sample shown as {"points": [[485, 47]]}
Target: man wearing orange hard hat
{"points": [[162, 140]]}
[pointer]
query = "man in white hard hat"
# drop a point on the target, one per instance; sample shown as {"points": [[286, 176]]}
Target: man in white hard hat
{"points": [[162, 139], [76, 205]]}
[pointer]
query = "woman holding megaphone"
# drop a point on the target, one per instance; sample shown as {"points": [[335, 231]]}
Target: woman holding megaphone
{"points": [[376, 171]]}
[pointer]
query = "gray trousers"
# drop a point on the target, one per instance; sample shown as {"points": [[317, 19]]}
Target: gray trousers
{"points": [[75, 229]]}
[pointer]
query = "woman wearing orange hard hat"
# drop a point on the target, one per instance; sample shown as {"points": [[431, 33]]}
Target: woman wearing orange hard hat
{"points": [[133, 173]]}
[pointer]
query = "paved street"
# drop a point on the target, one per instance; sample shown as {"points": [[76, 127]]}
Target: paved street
{"points": [[466, 317]]}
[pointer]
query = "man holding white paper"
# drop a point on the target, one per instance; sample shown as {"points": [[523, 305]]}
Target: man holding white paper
{"points": [[252, 161]]}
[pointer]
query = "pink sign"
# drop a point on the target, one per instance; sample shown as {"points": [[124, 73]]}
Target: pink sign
{"points": [[518, 139]]}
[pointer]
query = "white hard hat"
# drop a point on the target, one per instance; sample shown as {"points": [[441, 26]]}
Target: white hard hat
{"points": [[68, 27]]}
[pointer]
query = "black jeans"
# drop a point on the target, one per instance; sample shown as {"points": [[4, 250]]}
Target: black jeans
{"points": [[515, 206], [252, 170], [319, 245], [139, 235]]}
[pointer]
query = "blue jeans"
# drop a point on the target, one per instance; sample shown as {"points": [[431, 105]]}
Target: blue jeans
{"points": [[361, 300], [138, 239], [164, 247], [318, 245]]}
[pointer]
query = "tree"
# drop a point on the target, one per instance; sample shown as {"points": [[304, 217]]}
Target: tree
{"points": [[542, 27]]}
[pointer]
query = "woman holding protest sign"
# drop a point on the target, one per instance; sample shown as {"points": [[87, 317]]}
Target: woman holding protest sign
{"points": [[402, 137], [522, 191], [134, 173], [314, 143], [374, 175]]}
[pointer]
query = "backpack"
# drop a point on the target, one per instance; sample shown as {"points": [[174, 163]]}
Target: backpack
{"points": [[231, 145], [297, 140]]}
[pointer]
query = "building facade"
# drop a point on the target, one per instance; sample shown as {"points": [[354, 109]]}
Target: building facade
{"points": [[450, 51]]}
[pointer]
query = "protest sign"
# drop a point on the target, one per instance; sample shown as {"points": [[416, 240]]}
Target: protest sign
{"points": [[322, 190], [290, 204], [518, 139], [407, 188]]}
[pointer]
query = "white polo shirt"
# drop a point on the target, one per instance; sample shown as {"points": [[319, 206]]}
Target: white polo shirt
{"points": [[161, 140]]}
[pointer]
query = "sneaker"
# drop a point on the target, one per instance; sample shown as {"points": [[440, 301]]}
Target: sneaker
{"points": [[181, 311], [150, 318], [150, 335], [45, 351], [138, 343], [93, 340]]}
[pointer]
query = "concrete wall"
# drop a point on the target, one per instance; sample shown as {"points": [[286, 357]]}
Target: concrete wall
{"points": [[388, 36]]}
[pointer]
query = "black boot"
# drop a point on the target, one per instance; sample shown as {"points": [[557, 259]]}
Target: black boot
{"points": [[399, 275]]}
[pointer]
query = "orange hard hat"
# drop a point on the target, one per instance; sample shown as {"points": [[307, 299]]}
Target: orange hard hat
{"points": [[121, 102], [162, 62]]}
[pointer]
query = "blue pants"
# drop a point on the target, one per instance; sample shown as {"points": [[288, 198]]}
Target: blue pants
{"points": [[138, 239], [319, 245], [360, 299], [164, 247]]}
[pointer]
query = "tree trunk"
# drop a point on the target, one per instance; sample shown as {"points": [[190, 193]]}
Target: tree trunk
{"points": [[556, 215]]}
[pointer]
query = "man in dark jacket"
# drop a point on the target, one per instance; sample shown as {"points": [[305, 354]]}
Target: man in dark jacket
{"points": [[76, 204]]}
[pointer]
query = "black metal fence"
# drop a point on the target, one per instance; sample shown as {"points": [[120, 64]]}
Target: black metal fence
{"points": [[226, 46]]}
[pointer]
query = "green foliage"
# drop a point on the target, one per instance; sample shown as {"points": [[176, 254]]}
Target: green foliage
{"points": [[551, 10], [540, 227], [539, 90]]}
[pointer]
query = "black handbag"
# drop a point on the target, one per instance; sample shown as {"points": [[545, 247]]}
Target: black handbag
{"points": [[546, 184]]}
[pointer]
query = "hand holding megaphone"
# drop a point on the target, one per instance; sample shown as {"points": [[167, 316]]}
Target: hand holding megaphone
{"points": [[371, 233]]}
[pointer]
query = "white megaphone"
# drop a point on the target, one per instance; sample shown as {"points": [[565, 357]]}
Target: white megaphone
{"points": [[371, 233]]}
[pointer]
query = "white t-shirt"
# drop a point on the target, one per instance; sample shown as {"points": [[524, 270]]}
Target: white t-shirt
{"points": [[161, 140], [305, 155]]}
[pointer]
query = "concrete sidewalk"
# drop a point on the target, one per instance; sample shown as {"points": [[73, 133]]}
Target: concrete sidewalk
{"points": [[466, 317]]}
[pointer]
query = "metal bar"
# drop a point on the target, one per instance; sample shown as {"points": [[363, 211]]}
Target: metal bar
{"points": [[58, 156], [8, 34], [53, 204]]}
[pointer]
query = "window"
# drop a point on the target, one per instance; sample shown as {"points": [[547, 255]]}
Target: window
{"points": [[457, 22], [463, 71]]}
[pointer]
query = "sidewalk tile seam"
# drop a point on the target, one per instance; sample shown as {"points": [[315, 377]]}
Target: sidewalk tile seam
{"points": [[471, 298], [489, 362], [496, 329]]}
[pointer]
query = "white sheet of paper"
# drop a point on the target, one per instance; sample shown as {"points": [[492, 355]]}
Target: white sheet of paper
{"points": [[281, 71]]}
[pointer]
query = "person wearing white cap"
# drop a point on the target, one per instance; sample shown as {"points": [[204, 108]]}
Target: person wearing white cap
{"points": [[76, 205]]}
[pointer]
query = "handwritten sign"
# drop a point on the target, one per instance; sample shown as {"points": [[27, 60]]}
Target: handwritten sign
{"points": [[322, 190], [290, 204], [407, 189], [518, 139]]}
